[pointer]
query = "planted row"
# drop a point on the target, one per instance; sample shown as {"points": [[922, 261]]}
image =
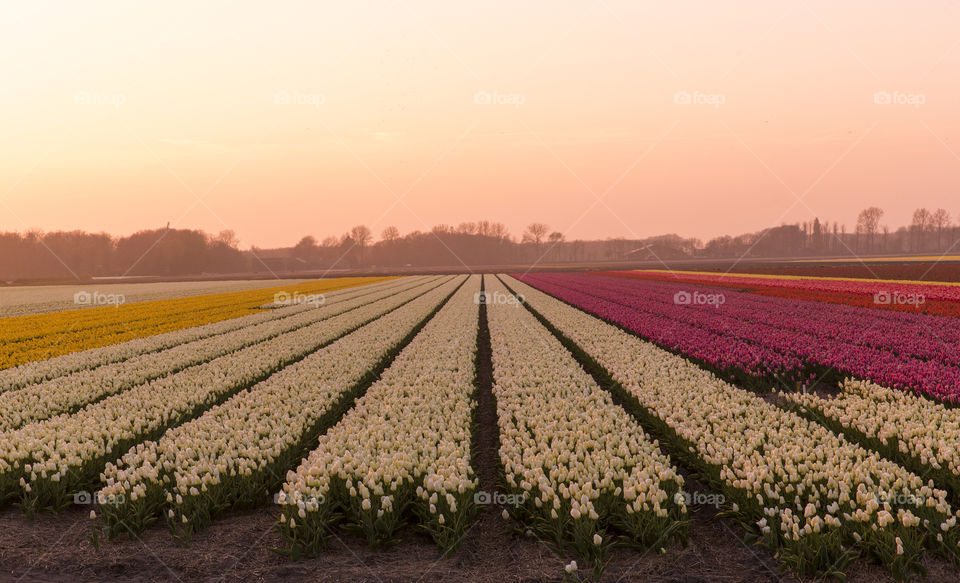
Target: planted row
{"points": [[235, 453], [43, 370], [583, 472], [41, 336], [404, 447], [804, 492], [757, 344], [44, 463], [68, 393], [914, 431]]}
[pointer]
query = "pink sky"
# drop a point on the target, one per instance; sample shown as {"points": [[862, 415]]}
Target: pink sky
{"points": [[123, 116]]}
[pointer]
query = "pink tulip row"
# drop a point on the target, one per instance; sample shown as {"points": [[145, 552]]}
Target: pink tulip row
{"points": [[920, 336], [756, 339]]}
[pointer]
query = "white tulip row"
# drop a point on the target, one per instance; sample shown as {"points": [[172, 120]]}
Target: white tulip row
{"points": [[809, 492], [40, 299], [406, 441], [66, 394], [45, 462], [231, 453], [39, 371], [583, 465], [909, 428]]}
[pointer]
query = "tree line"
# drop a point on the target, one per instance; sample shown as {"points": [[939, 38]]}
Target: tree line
{"points": [[167, 252]]}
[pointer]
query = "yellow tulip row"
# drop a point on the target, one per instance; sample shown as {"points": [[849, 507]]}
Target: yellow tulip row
{"points": [[45, 462], [42, 336], [69, 393], [35, 372]]}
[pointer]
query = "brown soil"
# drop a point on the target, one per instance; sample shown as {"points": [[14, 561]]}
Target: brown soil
{"points": [[55, 549]]}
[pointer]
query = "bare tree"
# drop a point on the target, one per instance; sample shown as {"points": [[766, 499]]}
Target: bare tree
{"points": [[536, 232], [868, 223], [920, 226], [390, 234], [940, 220], [228, 238], [361, 237], [498, 231]]}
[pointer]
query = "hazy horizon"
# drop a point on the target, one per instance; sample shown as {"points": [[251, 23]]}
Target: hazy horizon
{"points": [[307, 119]]}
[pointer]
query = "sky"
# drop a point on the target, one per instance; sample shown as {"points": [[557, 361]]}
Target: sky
{"points": [[601, 118]]}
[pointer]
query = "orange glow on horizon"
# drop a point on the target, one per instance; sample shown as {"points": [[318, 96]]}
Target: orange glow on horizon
{"points": [[601, 119]]}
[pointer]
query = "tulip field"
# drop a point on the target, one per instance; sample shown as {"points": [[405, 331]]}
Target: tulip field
{"points": [[595, 416]]}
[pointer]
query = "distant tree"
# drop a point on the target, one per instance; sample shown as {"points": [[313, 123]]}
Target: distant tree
{"points": [[920, 226], [361, 237], [536, 232], [940, 221], [868, 224], [390, 234], [306, 248], [228, 238]]}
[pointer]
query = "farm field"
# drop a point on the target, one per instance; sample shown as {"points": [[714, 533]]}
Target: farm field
{"points": [[613, 426], [934, 298], [39, 299], [43, 336], [934, 268]]}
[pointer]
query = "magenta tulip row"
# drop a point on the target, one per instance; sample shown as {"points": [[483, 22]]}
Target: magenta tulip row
{"points": [[757, 339]]}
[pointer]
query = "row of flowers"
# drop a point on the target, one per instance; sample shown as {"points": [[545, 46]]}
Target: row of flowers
{"points": [[867, 286], [756, 342], [28, 300], [42, 336], [797, 289], [583, 470], [235, 453], [404, 447], [921, 336], [801, 490], [69, 393], [916, 432], [45, 462], [934, 268], [735, 359]]}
